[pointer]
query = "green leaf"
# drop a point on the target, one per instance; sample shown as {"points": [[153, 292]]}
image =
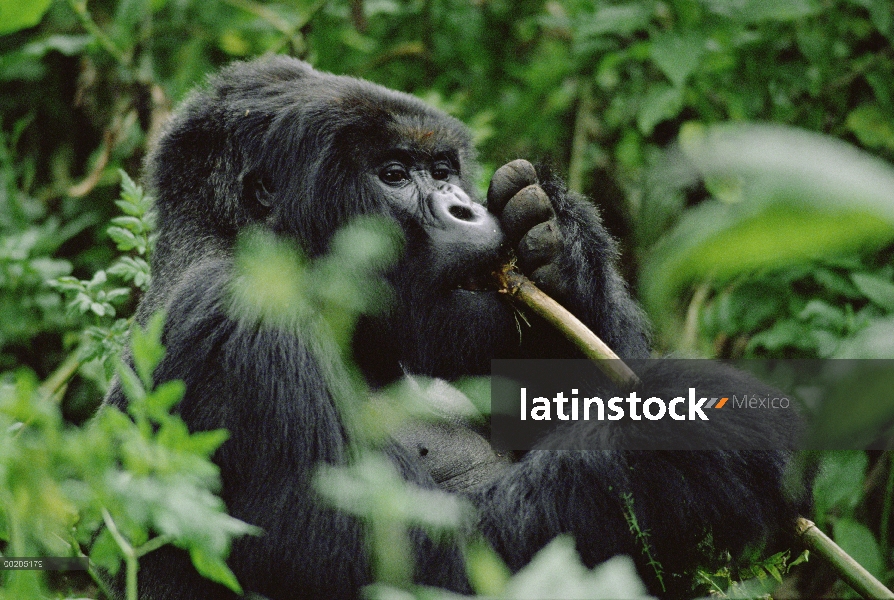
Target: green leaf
{"points": [[130, 223], [871, 126], [750, 11], [556, 572], [147, 348], [130, 383], [804, 197], [839, 483], [661, 103], [20, 14], [857, 540], [214, 568], [880, 291], [123, 238], [69, 45], [823, 314], [162, 399], [104, 552], [622, 19], [678, 55]]}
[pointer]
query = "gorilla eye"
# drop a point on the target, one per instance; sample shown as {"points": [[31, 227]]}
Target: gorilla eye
{"points": [[394, 174], [441, 171]]}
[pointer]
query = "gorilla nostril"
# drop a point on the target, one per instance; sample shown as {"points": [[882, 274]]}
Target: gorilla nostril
{"points": [[463, 213]]}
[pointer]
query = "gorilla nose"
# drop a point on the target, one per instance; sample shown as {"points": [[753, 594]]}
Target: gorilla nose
{"points": [[462, 221], [453, 208]]}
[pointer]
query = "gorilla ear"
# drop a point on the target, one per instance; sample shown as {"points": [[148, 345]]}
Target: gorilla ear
{"points": [[257, 194]]}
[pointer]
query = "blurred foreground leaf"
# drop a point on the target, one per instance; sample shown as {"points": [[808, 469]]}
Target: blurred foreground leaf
{"points": [[790, 196], [19, 14]]}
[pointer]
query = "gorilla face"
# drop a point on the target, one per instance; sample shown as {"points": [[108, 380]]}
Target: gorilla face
{"points": [[448, 319]]}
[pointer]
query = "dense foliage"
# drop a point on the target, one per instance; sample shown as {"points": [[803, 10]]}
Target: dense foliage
{"points": [[743, 240]]}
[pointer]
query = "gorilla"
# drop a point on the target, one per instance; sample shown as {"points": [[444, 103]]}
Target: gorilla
{"points": [[277, 145]]}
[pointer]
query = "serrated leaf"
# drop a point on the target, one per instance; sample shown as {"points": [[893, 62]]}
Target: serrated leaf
{"points": [[206, 442], [123, 238], [129, 208], [164, 397], [147, 348], [130, 223]]}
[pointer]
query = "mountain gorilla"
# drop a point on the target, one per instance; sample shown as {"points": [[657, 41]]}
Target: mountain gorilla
{"points": [[276, 144]]}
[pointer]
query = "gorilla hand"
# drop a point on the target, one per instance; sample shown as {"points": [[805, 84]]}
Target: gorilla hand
{"points": [[563, 246], [529, 221]]}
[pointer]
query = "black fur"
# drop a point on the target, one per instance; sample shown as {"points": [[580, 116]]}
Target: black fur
{"points": [[276, 144]]}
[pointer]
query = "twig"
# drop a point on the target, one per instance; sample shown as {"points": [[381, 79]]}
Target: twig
{"points": [[58, 378], [850, 570], [83, 14], [522, 289]]}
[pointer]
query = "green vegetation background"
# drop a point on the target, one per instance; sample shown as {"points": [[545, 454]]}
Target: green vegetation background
{"points": [[740, 149]]}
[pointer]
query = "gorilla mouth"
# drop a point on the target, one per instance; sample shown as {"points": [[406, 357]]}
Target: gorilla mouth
{"points": [[481, 281]]}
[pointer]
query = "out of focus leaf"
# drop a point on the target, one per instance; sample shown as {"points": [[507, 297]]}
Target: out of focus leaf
{"points": [[804, 197], [678, 55], [878, 290], [857, 540], [20, 14]]}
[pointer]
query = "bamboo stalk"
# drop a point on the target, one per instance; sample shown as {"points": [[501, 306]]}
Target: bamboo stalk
{"points": [[522, 289], [861, 580]]}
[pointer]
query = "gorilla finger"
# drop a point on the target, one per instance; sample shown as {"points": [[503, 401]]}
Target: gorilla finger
{"points": [[549, 279], [508, 180], [526, 209], [540, 245]]}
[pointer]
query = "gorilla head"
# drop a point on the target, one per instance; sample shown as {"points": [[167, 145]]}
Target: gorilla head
{"points": [[300, 152]]}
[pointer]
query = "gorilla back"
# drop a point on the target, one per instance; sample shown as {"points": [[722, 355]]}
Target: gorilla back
{"points": [[277, 145]]}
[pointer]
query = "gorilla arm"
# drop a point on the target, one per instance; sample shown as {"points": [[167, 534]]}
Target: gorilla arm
{"points": [[270, 389]]}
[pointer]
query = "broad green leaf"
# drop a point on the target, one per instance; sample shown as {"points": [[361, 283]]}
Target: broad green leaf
{"points": [[872, 127], [839, 483], [749, 11], [20, 14], [556, 572], [661, 103], [678, 54], [622, 19], [804, 197], [880, 291], [857, 540]]}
